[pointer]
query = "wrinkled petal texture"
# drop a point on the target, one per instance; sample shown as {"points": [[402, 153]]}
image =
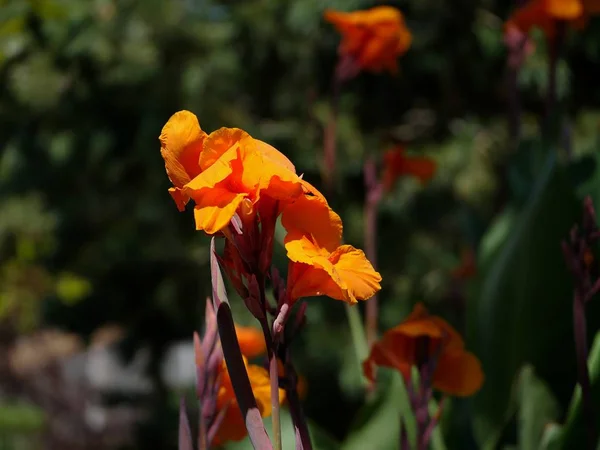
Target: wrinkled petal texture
{"points": [[236, 166], [457, 371], [374, 38], [181, 143], [251, 340], [345, 274], [312, 216]]}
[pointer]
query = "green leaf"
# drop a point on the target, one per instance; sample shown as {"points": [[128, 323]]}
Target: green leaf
{"points": [[574, 435], [523, 287], [378, 423], [537, 408], [320, 439]]}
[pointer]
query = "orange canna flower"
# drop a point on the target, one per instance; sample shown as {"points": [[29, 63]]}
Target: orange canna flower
{"points": [[397, 163], [251, 340], [372, 39], [319, 265], [225, 172], [423, 338], [233, 427], [545, 14]]}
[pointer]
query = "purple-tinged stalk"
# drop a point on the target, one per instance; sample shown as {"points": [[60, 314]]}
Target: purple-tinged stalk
{"points": [[233, 358], [374, 189], [208, 359], [421, 393], [580, 260], [247, 262]]}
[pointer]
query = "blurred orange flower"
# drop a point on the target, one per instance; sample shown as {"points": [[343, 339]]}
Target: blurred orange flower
{"points": [[319, 264], [251, 340], [373, 38], [397, 164], [223, 172], [423, 339], [233, 427], [545, 14]]}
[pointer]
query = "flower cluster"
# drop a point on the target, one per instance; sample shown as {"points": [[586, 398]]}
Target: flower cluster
{"points": [[372, 39], [547, 14], [240, 183]]}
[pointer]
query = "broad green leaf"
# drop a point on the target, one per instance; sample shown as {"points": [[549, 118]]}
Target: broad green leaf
{"points": [[537, 409], [520, 309], [320, 439], [378, 423]]}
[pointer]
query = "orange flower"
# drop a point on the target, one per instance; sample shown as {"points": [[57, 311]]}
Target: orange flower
{"points": [[251, 340], [422, 338], [545, 14], [397, 163], [233, 427], [319, 264], [374, 38], [224, 172]]}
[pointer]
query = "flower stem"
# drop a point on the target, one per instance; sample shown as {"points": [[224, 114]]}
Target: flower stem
{"points": [[303, 441], [580, 330], [275, 416]]}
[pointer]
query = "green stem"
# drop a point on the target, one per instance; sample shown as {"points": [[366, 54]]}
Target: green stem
{"points": [[359, 340]]}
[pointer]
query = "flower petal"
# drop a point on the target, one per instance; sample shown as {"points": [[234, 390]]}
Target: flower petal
{"points": [[251, 340], [181, 141], [220, 141], [305, 280], [356, 271], [274, 155], [458, 373], [214, 208], [311, 216]]}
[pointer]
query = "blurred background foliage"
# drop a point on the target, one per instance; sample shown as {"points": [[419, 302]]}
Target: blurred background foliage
{"points": [[89, 236]]}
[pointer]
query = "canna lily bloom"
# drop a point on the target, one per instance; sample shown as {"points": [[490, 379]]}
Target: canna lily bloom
{"points": [[251, 340], [545, 14], [225, 172], [319, 265], [397, 163], [372, 39], [423, 340], [233, 427]]}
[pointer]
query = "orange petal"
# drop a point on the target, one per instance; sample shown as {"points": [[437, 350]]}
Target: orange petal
{"points": [[181, 142], [383, 354], [277, 181], [305, 280], [564, 9], [220, 141], [215, 208], [274, 155], [311, 216], [458, 373], [356, 271], [179, 198], [251, 340]]}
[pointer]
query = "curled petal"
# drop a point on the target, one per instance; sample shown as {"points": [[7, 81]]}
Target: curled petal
{"points": [[219, 142], [458, 373], [215, 208], [312, 216], [356, 271]]}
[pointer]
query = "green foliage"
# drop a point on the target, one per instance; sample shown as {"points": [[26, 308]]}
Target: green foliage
{"points": [[89, 235]]}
